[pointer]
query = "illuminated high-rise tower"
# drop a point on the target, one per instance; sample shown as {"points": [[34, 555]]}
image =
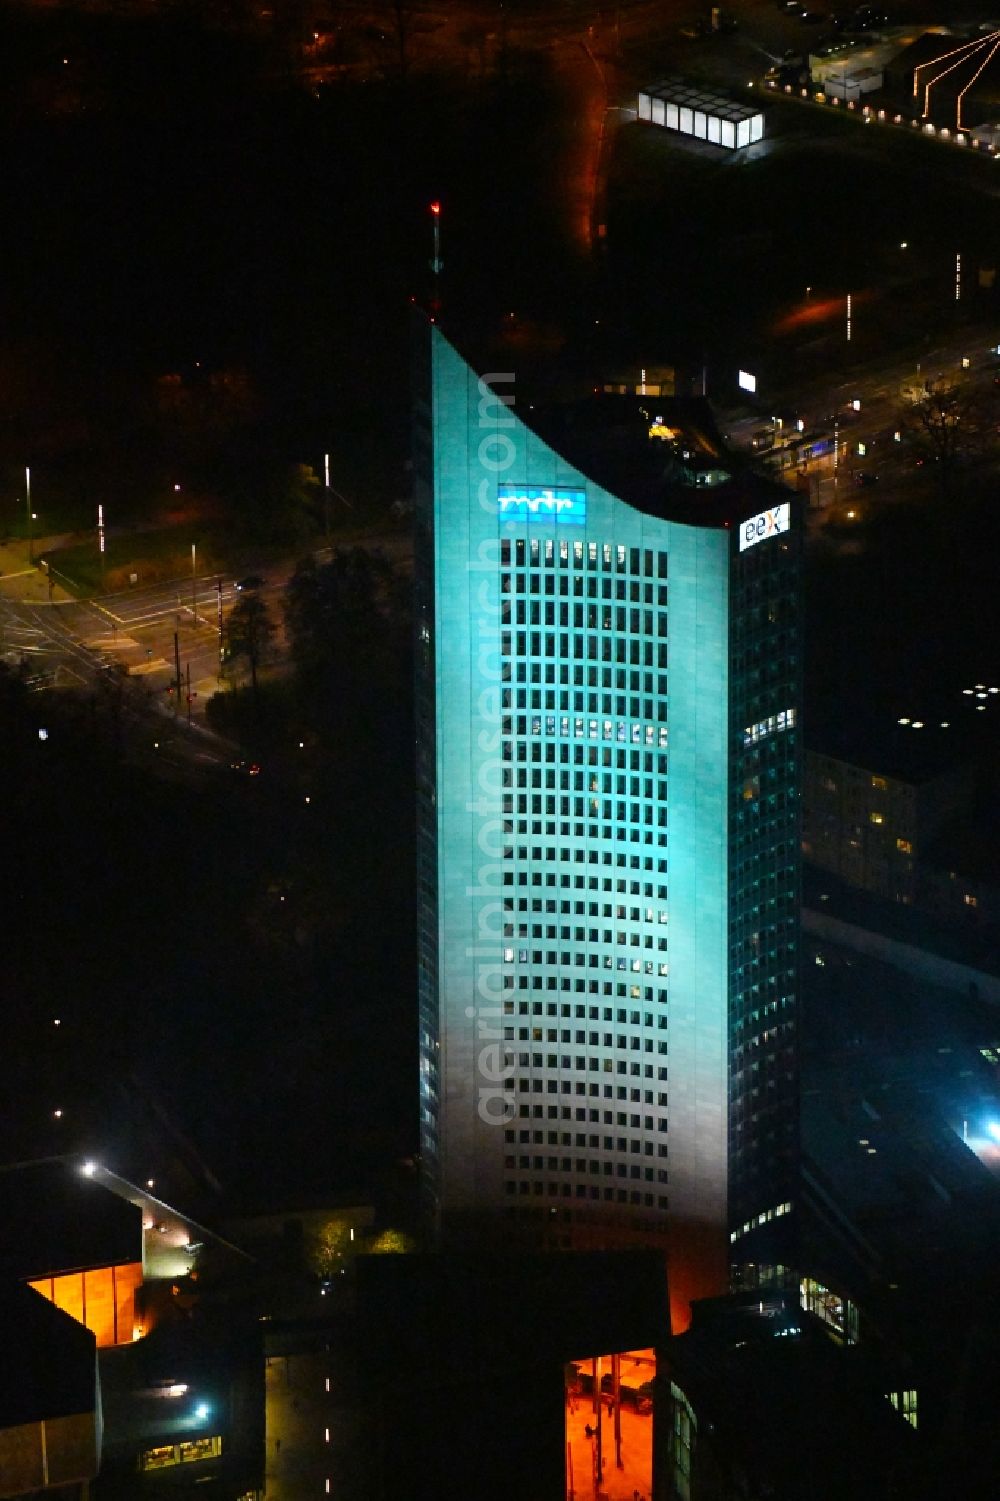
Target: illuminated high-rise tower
{"points": [[608, 760]]}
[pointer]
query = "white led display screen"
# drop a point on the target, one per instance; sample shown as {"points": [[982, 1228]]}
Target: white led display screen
{"points": [[767, 524], [542, 503]]}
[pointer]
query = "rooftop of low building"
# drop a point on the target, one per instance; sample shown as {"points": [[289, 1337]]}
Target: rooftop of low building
{"points": [[47, 1360]]}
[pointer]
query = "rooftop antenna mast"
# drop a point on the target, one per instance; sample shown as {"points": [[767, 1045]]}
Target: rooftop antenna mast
{"points": [[436, 263]]}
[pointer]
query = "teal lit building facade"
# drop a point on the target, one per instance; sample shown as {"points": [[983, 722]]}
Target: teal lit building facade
{"points": [[608, 784]]}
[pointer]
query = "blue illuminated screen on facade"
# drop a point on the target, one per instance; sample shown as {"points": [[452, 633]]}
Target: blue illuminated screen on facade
{"points": [[542, 503]]}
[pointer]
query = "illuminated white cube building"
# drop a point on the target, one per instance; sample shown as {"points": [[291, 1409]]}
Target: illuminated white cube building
{"points": [[680, 106]]}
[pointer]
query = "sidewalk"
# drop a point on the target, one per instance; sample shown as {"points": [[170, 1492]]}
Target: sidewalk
{"points": [[22, 580]]}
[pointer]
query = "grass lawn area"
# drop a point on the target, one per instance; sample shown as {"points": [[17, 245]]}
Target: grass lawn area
{"points": [[715, 252], [53, 514], [152, 556]]}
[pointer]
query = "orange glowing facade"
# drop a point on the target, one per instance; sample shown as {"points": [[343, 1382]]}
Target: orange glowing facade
{"points": [[101, 1298]]}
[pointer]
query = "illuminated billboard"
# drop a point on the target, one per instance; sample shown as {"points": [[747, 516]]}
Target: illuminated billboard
{"points": [[746, 381], [542, 503], [766, 524]]}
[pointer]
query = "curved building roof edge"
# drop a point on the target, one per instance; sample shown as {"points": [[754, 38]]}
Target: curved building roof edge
{"points": [[662, 455]]}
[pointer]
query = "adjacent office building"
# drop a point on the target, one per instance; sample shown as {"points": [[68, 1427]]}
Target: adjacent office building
{"points": [[609, 764]]}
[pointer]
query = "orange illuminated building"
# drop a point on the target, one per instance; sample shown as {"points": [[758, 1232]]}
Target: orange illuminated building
{"points": [[102, 1298], [609, 1425], [76, 1243]]}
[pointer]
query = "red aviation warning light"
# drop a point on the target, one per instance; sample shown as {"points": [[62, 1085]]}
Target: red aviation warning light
{"points": [[436, 262]]}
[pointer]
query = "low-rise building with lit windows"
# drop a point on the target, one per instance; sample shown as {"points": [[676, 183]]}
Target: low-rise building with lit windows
{"points": [[763, 1398], [177, 1390], [184, 1411], [50, 1410], [870, 815], [105, 1250], [608, 758]]}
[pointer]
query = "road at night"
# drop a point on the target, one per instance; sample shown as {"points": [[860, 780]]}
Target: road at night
{"points": [[126, 641], [79, 646], [879, 390]]}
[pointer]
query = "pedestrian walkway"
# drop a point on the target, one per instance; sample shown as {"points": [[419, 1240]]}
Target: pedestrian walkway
{"points": [[21, 579], [298, 1432]]}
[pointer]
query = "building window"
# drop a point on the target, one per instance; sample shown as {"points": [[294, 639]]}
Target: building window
{"points": [[970, 900], [904, 846], [876, 818], [157, 1459], [906, 1403], [880, 784], [192, 1449], [187, 1451]]}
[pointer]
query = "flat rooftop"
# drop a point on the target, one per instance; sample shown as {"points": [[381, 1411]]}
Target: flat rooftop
{"points": [[875, 741], [783, 1403], [664, 455], [827, 894], [47, 1365], [54, 1219], [695, 96]]}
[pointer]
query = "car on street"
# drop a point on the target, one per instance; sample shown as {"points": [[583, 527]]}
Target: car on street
{"points": [[250, 584]]}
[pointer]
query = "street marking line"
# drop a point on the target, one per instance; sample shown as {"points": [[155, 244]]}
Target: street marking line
{"points": [[158, 664], [137, 622], [101, 643], [118, 619]]}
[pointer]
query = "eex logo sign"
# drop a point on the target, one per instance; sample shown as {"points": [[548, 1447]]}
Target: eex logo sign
{"points": [[766, 524], [542, 503]]}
